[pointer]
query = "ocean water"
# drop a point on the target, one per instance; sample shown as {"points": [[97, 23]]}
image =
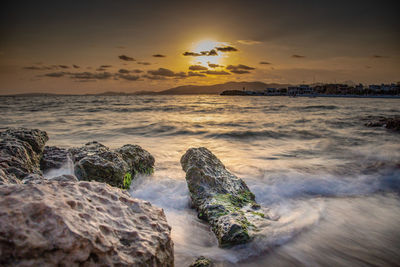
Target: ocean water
{"points": [[333, 182]]}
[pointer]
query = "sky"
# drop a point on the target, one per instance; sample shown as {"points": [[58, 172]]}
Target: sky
{"points": [[78, 47]]}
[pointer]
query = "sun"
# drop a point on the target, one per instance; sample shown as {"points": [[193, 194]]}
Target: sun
{"points": [[207, 45]]}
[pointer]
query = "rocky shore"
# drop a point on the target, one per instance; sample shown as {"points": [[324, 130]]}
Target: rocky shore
{"points": [[87, 219], [90, 219]]}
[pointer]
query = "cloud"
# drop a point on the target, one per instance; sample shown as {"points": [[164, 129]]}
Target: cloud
{"points": [[126, 58], [211, 65], [63, 66], [162, 72], [90, 75], [265, 63], [378, 56], [129, 77], [53, 67], [298, 56], [197, 67], [125, 71], [239, 67], [195, 74], [143, 63], [240, 71], [248, 42], [75, 66], [226, 49], [212, 52], [103, 67], [191, 54], [55, 74], [152, 77], [166, 73], [159, 55], [215, 72]]}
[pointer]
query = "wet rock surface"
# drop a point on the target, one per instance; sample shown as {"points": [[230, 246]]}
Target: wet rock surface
{"points": [[201, 262], [389, 123], [221, 198], [53, 158], [95, 161], [80, 223], [138, 159], [20, 152]]}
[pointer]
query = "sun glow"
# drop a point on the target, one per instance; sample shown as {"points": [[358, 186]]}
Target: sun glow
{"points": [[207, 45]]}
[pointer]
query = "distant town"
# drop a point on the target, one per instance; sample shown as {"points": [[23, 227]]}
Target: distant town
{"points": [[340, 90]]}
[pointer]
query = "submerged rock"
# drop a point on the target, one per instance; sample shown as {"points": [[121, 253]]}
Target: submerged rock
{"points": [[20, 152], [201, 262], [221, 198], [80, 223], [53, 158], [389, 123], [95, 161]]}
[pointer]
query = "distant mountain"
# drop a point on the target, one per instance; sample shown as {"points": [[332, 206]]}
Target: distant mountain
{"points": [[219, 88]]}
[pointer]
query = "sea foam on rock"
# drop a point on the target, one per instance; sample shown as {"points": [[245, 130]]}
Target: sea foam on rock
{"points": [[69, 223], [53, 158], [221, 198], [20, 153]]}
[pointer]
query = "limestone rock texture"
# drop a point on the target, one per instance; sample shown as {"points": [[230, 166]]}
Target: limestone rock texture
{"points": [[95, 161], [221, 198], [20, 152], [67, 223]]}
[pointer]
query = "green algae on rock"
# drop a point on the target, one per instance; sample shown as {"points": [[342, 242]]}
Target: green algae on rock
{"points": [[221, 198], [201, 262], [95, 161]]}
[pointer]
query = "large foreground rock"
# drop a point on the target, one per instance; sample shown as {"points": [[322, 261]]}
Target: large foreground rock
{"points": [[20, 152], [95, 161], [221, 198], [63, 223]]}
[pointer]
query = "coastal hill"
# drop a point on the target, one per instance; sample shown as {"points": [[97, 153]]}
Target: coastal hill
{"points": [[219, 88]]}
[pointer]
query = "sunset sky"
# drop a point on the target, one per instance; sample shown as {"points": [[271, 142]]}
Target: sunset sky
{"points": [[96, 46]]}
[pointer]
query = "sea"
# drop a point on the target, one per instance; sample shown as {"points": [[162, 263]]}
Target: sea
{"points": [[333, 183]]}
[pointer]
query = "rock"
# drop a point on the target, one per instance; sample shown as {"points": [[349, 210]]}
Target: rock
{"points": [[34, 137], [53, 158], [389, 123], [201, 262], [221, 198], [20, 151], [393, 124], [34, 179], [8, 179], [62, 223], [137, 158], [95, 161]]}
